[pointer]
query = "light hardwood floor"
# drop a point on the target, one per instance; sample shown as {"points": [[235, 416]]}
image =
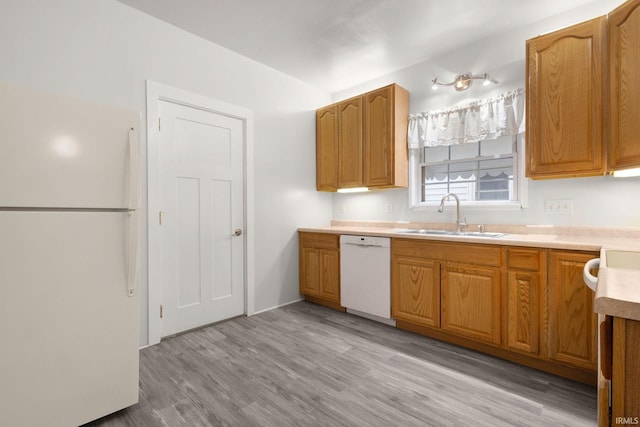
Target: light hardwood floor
{"points": [[306, 365]]}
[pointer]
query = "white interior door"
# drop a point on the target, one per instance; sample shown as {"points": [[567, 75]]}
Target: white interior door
{"points": [[201, 191]]}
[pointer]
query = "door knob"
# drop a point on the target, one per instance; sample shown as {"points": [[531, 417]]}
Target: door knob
{"points": [[238, 232]]}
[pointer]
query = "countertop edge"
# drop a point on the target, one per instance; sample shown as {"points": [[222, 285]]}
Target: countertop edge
{"points": [[545, 241]]}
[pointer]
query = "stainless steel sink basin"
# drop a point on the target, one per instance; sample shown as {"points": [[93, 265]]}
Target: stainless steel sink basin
{"points": [[627, 260], [425, 232], [480, 234], [452, 233]]}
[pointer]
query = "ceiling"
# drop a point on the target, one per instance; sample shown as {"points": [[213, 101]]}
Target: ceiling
{"points": [[336, 44]]}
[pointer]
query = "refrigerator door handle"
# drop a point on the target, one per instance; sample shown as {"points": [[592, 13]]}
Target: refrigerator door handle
{"points": [[133, 168], [133, 251]]}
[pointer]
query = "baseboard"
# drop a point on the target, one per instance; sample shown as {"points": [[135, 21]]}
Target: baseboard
{"points": [[276, 306]]}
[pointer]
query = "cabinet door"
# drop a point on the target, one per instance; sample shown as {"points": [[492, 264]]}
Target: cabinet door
{"points": [[564, 102], [522, 311], [572, 322], [624, 63], [379, 137], [320, 265], [310, 271], [327, 148], [625, 382], [471, 302], [525, 273], [350, 143], [416, 291], [330, 274], [385, 137]]}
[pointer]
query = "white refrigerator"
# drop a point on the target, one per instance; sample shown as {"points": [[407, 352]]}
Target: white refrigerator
{"points": [[69, 305]]}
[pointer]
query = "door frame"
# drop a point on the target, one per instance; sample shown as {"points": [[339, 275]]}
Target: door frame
{"points": [[157, 92]]}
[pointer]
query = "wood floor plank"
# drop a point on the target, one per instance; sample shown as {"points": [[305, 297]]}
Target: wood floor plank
{"points": [[307, 365]]}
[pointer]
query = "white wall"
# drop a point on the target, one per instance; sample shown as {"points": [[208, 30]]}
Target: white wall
{"points": [[602, 201], [104, 51]]}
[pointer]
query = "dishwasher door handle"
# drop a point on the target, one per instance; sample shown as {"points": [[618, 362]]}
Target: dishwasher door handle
{"points": [[364, 245]]}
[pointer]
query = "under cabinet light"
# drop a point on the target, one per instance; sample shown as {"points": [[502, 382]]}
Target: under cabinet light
{"points": [[626, 173], [353, 190]]}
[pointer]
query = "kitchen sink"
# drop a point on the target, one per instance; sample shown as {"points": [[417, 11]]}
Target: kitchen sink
{"points": [[626, 260], [452, 233]]}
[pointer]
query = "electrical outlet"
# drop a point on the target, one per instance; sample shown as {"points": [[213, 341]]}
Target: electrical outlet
{"points": [[389, 208], [553, 207]]}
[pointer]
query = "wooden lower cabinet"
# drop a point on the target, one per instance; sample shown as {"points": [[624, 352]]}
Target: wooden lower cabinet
{"points": [[572, 322], [320, 267], [416, 290], [523, 312], [434, 286], [471, 301], [525, 272], [625, 381], [528, 305]]}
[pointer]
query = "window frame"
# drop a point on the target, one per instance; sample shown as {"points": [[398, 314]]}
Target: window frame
{"points": [[520, 183]]}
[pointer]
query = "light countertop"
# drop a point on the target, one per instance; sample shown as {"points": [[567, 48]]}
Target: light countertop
{"points": [[617, 292], [618, 289]]}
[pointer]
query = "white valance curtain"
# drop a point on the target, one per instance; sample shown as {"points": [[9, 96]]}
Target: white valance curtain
{"points": [[484, 119]]}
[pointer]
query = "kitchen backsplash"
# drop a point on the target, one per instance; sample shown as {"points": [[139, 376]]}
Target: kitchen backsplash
{"points": [[599, 201]]}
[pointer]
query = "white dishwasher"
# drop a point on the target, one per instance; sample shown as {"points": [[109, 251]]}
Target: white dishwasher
{"points": [[365, 276]]}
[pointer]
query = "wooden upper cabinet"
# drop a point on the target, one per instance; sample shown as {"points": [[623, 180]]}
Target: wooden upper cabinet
{"points": [[350, 148], [385, 146], [327, 148], [565, 96], [362, 141], [624, 63]]}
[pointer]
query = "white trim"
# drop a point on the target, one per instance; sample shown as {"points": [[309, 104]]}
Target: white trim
{"points": [[159, 92], [480, 206], [523, 181]]}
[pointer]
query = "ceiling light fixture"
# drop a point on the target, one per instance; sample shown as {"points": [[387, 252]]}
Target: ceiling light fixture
{"points": [[463, 81]]}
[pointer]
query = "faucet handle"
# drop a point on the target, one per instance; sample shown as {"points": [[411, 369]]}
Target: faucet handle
{"points": [[463, 223]]}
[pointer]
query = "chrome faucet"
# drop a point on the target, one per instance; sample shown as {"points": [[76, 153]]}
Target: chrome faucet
{"points": [[459, 224]]}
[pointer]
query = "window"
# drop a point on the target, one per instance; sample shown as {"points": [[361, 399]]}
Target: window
{"points": [[472, 150], [485, 172]]}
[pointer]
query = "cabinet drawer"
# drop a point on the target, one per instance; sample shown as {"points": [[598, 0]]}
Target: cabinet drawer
{"points": [[319, 240], [523, 259], [455, 252]]}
